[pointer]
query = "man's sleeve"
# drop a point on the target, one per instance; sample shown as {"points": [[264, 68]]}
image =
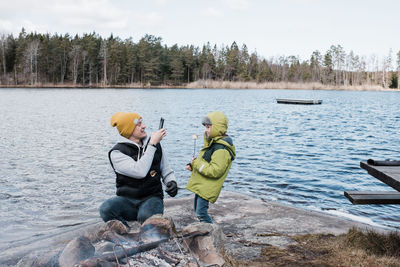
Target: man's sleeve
{"points": [[125, 165], [166, 171]]}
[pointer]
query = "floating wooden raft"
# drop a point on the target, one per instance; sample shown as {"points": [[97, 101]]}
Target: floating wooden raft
{"points": [[298, 101]]}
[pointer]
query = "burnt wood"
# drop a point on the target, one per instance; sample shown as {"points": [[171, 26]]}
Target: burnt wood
{"points": [[390, 175], [373, 197], [126, 252]]}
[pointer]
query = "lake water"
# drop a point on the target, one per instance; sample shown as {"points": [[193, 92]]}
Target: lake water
{"points": [[55, 171]]}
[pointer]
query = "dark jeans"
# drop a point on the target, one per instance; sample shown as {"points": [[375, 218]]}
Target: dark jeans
{"points": [[201, 208], [130, 209]]}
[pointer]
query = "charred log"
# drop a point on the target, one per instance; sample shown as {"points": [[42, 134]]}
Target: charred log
{"points": [[127, 252]]}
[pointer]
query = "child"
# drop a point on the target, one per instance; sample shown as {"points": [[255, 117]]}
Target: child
{"points": [[210, 169]]}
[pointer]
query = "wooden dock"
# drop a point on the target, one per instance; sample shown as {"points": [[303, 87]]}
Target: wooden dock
{"points": [[371, 197], [298, 101], [390, 175]]}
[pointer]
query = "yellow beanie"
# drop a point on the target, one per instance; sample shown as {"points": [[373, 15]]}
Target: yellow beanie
{"points": [[125, 122]]}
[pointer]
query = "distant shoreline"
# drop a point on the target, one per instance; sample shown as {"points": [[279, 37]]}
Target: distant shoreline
{"points": [[211, 84]]}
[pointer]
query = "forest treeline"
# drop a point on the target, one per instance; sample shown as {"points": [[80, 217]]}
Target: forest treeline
{"points": [[90, 60]]}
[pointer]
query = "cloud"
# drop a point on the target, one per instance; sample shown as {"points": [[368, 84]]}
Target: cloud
{"points": [[306, 2], [16, 5], [9, 27], [45, 15], [149, 19], [237, 4], [162, 2], [212, 12], [30, 26], [91, 13], [6, 26]]}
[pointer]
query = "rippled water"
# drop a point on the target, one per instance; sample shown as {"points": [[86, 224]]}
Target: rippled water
{"points": [[54, 143]]}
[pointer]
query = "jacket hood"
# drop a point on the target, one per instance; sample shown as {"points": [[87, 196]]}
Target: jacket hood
{"points": [[219, 123], [219, 127]]}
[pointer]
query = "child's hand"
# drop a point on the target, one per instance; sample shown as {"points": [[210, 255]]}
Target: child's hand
{"points": [[189, 167]]}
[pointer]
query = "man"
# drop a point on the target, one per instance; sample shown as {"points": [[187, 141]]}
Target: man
{"points": [[139, 164]]}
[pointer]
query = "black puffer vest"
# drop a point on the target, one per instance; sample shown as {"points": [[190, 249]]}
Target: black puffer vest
{"points": [[139, 188]]}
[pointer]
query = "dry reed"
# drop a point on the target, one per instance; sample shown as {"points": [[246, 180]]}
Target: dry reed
{"points": [[356, 248], [280, 85], [212, 84]]}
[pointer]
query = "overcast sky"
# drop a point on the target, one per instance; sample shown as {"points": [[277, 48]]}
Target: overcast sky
{"points": [[269, 27]]}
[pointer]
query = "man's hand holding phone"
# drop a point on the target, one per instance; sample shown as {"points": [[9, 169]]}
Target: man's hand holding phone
{"points": [[156, 137], [161, 123]]}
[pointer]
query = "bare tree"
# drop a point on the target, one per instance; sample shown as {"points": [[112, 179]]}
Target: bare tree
{"points": [[362, 70], [206, 71], [284, 66], [3, 47], [75, 54], [352, 63], [398, 70], [339, 56], [374, 68], [386, 66], [315, 64], [84, 56], [31, 56], [104, 55]]}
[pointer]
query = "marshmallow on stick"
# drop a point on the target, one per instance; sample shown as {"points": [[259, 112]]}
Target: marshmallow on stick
{"points": [[195, 136]]}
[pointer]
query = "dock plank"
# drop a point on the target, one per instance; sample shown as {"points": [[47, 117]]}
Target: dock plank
{"points": [[299, 101], [373, 197], [390, 175]]}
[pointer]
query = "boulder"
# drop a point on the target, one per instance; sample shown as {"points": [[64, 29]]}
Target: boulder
{"points": [[155, 228], [114, 226], [76, 250], [40, 259], [207, 248]]}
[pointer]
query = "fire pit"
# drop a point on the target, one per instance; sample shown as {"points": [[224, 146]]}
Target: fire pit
{"points": [[155, 243]]}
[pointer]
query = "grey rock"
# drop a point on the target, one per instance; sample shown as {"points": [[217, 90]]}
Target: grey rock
{"points": [[48, 258], [78, 249], [155, 228], [251, 224], [207, 248]]}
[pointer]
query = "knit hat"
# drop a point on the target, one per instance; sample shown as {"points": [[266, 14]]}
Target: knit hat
{"points": [[219, 123], [206, 121], [125, 122]]}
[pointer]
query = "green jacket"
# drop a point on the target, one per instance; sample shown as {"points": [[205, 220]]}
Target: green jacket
{"points": [[211, 167]]}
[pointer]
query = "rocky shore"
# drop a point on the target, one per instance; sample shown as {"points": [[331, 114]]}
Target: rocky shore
{"points": [[248, 226]]}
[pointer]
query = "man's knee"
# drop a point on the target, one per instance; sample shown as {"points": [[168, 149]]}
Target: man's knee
{"points": [[112, 208], [149, 208], [105, 211], [143, 216]]}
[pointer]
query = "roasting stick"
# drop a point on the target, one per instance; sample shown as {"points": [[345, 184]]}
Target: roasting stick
{"points": [[194, 137]]}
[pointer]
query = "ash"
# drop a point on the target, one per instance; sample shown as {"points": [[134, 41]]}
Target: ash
{"points": [[166, 255]]}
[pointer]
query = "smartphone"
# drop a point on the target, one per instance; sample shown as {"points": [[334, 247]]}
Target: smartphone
{"points": [[161, 123]]}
